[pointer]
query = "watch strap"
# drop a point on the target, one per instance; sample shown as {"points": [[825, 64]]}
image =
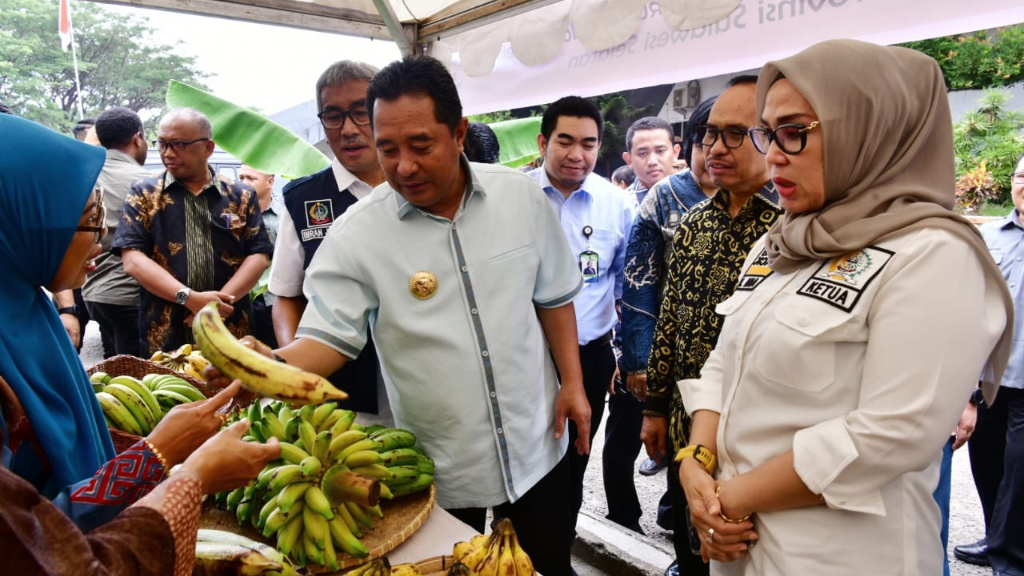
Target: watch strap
{"points": [[701, 454], [73, 310]]}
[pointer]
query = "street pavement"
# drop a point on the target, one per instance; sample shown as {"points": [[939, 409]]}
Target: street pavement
{"points": [[966, 523]]}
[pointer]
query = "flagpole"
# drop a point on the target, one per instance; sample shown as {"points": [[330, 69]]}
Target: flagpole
{"points": [[78, 83]]}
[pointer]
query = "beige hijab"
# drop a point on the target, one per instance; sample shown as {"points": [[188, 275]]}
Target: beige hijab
{"points": [[888, 154]]}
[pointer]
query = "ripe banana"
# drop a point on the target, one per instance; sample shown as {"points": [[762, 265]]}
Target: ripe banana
{"points": [[405, 570], [142, 390], [345, 539], [342, 441], [258, 373], [321, 413], [362, 458], [459, 569], [135, 404], [310, 467], [317, 502], [506, 561], [292, 453], [219, 558], [524, 567], [366, 444]]}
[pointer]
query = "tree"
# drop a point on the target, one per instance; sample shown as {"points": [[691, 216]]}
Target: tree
{"points": [[119, 63], [985, 59], [987, 142], [618, 116]]}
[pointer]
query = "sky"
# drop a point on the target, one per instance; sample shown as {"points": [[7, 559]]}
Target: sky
{"points": [[270, 68]]}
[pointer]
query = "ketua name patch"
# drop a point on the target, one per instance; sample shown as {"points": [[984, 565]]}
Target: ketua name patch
{"points": [[842, 280]]}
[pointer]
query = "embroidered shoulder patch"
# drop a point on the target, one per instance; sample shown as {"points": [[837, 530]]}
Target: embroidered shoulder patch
{"points": [[755, 273], [841, 281], [319, 213]]}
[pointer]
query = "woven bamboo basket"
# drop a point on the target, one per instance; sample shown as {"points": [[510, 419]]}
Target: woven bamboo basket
{"points": [[126, 365], [402, 518], [437, 566]]}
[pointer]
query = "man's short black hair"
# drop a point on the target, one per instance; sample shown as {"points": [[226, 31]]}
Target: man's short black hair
{"points": [[481, 144], [741, 79], [648, 123], [5, 109], [116, 127], [82, 126], [699, 117], [624, 174], [420, 76], [574, 106]]}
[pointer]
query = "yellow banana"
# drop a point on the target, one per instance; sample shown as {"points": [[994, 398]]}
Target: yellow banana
{"points": [[343, 440], [330, 555], [350, 522], [316, 501], [218, 558], [262, 375], [524, 566], [118, 414], [313, 551], [189, 370], [184, 350], [135, 404], [362, 458], [291, 494], [366, 444], [405, 570], [142, 390], [473, 557], [292, 453], [506, 561], [321, 413], [460, 549], [310, 467], [345, 538], [316, 527], [489, 565]]}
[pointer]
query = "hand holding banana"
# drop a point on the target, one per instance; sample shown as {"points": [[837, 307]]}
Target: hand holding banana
{"points": [[188, 426], [225, 461]]}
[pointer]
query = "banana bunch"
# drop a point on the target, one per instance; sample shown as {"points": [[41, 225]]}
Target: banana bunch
{"points": [[135, 406], [185, 360], [325, 490], [405, 570], [378, 567], [262, 375], [220, 552], [496, 555]]}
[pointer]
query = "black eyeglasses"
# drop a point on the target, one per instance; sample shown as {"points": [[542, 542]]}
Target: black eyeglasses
{"points": [[334, 118], [1018, 177], [790, 138], [99, 216], [732, 138], [176, 145]]}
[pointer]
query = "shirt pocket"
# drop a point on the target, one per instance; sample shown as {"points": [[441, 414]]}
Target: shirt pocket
{"points": [[798, 350]]}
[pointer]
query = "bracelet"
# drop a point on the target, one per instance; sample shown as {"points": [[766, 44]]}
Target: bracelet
{"points": [[721, 514], [159, 456]]}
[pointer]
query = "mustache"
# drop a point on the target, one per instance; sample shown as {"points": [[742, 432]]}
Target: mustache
{"points": [[354, 141]]}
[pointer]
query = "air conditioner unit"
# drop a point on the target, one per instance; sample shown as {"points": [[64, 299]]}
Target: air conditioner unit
{"points": [[678, 98]]}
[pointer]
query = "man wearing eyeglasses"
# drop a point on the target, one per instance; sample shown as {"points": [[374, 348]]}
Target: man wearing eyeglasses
{"points": [[315, 202], [997, 444], [708, 250], [190, 237]]}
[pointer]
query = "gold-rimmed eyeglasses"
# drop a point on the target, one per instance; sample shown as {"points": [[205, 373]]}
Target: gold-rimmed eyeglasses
{"points": [[99, 217]]}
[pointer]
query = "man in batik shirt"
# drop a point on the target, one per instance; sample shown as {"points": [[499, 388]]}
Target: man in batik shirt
{"points": [[707, 253], [190, 237]]}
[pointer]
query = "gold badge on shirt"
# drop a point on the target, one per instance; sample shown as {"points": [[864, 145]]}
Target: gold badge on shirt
{"points": [[423, 285]]}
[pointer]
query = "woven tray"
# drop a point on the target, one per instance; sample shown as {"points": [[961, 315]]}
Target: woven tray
{"points": [[402, 518], [125, 365], [437, 566]]}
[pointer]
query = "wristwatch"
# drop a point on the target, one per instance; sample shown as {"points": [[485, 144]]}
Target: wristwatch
{"points": [[699, 453], [182, 296], [73, 310], [977, 397]]}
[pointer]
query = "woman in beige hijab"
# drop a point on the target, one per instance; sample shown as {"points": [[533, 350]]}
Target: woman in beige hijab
{"points": [[858, 328]]}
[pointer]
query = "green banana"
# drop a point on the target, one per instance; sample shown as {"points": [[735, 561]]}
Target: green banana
{"points": [[185, 389], [402, 474], [321, 445], [374, 511], [118, 413], [284, 413], [366, 444], [362, 458], [317, 502], [290, 534], [422, 482], [313, 551], [143, 391], [100, 377], [265, 476], [316, 527], [391, 438], [342, 441], [135, 404], [399, 457], [258, 373], [331, 420], [292, 453], [165, 397], [385, 492], [378, 471], [345, 539], [330, 555], [310, 467], [344, 422], [285, 475], [268, 508], [359, 514], [425, 465], [342, 512], [321, 413], [234, 497], [290, 494], [218, 558], [244, 511], [272, 425]]}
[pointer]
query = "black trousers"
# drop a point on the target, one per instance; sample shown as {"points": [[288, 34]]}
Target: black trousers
{"points": [[997, 463], [690, 564], [263, 322], [622, 445], [540, 516], [597, 360], [119, 328]]}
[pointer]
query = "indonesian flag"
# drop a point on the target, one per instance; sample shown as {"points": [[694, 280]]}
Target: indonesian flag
{"points": [[64, 24]]}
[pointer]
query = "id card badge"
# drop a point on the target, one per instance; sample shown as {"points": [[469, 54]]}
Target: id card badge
{"points": [[590, 266]]}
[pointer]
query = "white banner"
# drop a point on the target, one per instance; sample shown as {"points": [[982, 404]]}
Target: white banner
{"points": [[756, 32]]}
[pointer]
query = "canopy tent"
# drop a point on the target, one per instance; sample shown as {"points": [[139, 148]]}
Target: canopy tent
{"points": [[513, 53]]}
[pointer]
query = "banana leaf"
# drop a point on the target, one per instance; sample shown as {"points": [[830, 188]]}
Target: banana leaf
{"points": [[251, 137], [518, 140]]}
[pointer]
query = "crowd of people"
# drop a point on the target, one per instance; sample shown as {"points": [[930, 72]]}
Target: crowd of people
{"points": [[756, 304]]}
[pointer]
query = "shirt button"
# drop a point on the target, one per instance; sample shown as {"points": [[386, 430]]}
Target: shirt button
{"points": [[465, 268], [500, 431], [1012, 284], [1018, 258], [493, 394], [485, 353], [473, 311]]}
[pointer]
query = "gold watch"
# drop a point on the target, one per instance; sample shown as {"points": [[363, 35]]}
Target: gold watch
{"points": [[701, 454]]}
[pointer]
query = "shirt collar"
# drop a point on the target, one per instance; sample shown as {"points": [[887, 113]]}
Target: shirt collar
{"points": [[169, 180], [120, 156], [473, 187], [1011, 219], [766, 194], [549, 188]]}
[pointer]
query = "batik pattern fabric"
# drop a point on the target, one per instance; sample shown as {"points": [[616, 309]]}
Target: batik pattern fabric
{"points": [[707, 253], [646, 263], [201, 239]]}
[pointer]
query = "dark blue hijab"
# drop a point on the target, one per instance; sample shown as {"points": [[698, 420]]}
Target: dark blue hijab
{"points": [[45, 181]]}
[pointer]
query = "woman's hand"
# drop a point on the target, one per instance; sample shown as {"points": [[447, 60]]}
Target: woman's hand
{"points": [[720, 540], [226, 461], [186, 426]]}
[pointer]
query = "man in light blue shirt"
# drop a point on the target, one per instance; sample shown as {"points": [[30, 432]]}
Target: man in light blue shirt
{"points": [[997, 444], [465, 280], [596, 217]]}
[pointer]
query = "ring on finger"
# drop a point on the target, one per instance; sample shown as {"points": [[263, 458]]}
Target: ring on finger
{"points": [[711, 536]]}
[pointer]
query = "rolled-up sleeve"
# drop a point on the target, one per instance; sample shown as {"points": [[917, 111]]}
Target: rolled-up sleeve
{"points": [[286, 271], [133, 232], [930, 333], [558, 277]]}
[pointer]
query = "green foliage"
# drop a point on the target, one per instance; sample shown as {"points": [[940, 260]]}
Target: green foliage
{"points": [[491, 117], [618, 115], [119, 63], [983, 59], [988, 139]]}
